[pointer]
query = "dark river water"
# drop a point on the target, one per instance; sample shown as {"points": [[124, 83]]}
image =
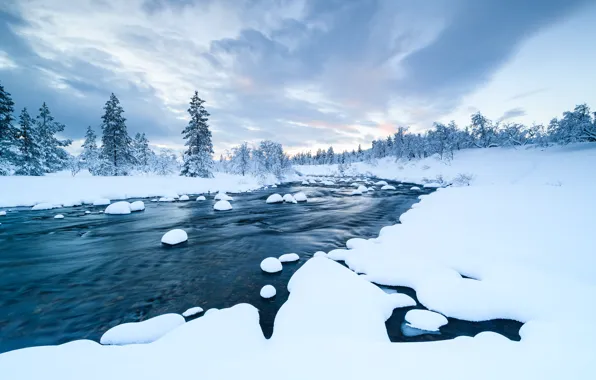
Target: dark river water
{"points": [[76, 277]]}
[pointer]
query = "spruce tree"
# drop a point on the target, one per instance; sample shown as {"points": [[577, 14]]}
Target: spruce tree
{"points": [[53, 156], [29, 162], [198, 160], [8, 133], [116, 151], [90, 154]]}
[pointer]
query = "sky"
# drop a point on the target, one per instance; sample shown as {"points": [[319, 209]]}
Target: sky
{"points": [[306, 73]]}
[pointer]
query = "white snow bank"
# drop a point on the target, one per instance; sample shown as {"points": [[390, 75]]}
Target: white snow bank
{"points": [[137, 206], [425, 320], [268, 291], [388, 187], [381, 183], [167, 199], [328, 183], [362, 189], [142, 332], [174, 237], [275, 198], [101, 202], [289, 257], [59, 216], [184, 197], [271, 265], [2, 213], [223, 197], [45, 206], [288, 198], [356, 192], [192, 311], [305, 183], [201, 198], [319, 254], [300, 197], [118, 208], [414, 188], [222, 206], [400, 300]]}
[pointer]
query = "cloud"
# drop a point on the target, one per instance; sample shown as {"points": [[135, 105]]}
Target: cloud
{"points": [[512, 113]]}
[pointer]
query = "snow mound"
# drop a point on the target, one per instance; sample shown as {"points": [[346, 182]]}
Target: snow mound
{"points": [[59, 216], [192, 311], [87, 212], [142, 332], [414, 188], [425, 320], [201, 198], [213, 310], [381, 183], [2, 213], [72, 203], [371, 189], [328, 183], [300, 197], [275, 198], [388, 187], [399, 299], [118, 208], [184, 198], [356, 192], [46, 206], [289, 257], [268, 291], [101, 202], [288, 198], [271, 265], [362, 189], [174, 237], [223, 197], [433, 185], [355, 184], [305, 183], [166, 199], [137, 206], [319, 254], [222, 206], [154, 200]]}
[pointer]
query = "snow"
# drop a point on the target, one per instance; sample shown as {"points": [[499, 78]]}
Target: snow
{"points": [[400, 300], [275, 198], [414, 188], [305, 183], [288, 198], [362, 189], [388, 187], [87, 212], [356, 192], [271, 265], [222, 206], [118, 208], [45, 206], [223, 197], [425, 320], [2, 213], [184, 198], [328, 183], [319, 254], [289, 257], [192, 311], [142, 332], [268, 291], [101, 202], [381, 183], [201, 198], [174, 237], [300, 197], [167, 199], [273, 186], [59, 216], [137, 206]]}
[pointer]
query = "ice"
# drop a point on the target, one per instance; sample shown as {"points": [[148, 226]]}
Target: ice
{"points": [[362, 189], [268, 291], [425, 320], [222, 206], [174, 237], [356, 192], [300, 197], [288, 198], [381, 183], [46, 206], [118, 208], [166, 199], [192, 311], [137, 206], [414, 188], [58, 216], [289, 257], [184, 198], [223, 197], [271, 265], [388, 187], [201, 198], [142, 332], [275, 198], [101, 202]]}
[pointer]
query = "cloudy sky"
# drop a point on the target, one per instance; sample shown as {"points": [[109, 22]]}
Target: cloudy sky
{"points": [[306, 73]]}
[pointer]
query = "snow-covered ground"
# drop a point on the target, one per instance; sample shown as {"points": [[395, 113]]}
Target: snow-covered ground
{"points": [[522, 235]]}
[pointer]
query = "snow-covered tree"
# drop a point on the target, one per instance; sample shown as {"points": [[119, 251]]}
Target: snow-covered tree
{"points": [[8, 133], [241, 159], [198, 159], [29, 162], [483, 131], [141, 152], [576, 126], [90, 156], [53, 155], [165, 163], [116, 153], [330, 156]]}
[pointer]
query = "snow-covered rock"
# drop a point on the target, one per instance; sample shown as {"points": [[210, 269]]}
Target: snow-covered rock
{"points": [[371, 189], [288, 198], [142, 332], [87, 212], [174, 237], [221, 196], [320, 254], [355, 184], [154, 200], [388, 187], [184, 197], [273, 186], [167, 199], [289, 257], [118, 208], [137, 206], [425, 319], [201, 198], [275, 198], [300, 197], [211, 311], [192, 311], [46, 206], [414, 188], [222, 206], [362, 189], [101, 202], [305, 183], [72, 203], [356, 192], [399, 300], [381, 183], [59, 216], [271, 265], [268, 291], [328, 183], [2, 213]]}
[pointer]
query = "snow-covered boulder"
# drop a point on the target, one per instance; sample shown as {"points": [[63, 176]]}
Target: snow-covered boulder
{"points": [[305, 183], [371, 189], [166, 199], [300, 197], [271, 265], [388, 187], [87, 212], [137, 206], [222, 206], [154, 200], [212, 311], [268, 291], [273, 186], [355, 184], [425, 320], [174, 237], [101, 202], [398, 300], [289, 198], [356, 192], [223, 197], [362, 189], [118, 208], [142, 332], [2, 213], [381, 183], [46, 206], [72, 203], [192, 311], [328, 183], [319, 254], [184, 197], [201, 198], [289, 257], [275, 198], [414, 188], [59, 216]]}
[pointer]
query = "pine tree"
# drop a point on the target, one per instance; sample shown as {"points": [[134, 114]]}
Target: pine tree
{"points": [[29, 162], [198, 160], [116, 151], [53, 156], [90, 154], [141, 151], [330, 156], [8, 133]]}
